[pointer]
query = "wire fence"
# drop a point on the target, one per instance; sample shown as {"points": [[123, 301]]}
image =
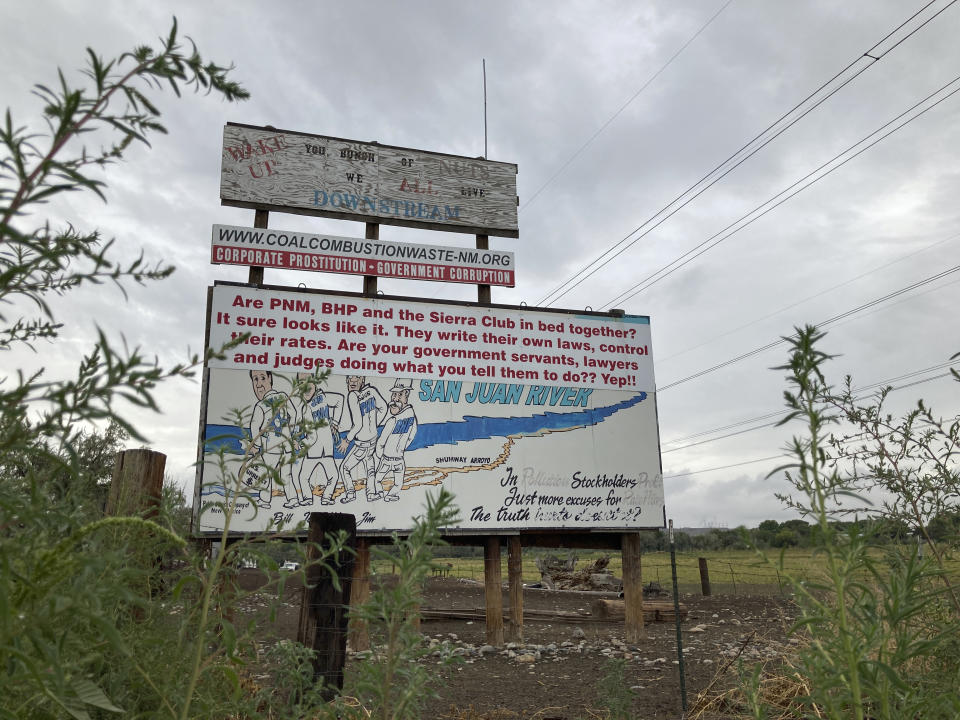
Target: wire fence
{"points": [[734, 574]]}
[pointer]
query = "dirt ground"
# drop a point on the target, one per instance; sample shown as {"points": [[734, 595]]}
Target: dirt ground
{"points": [[558, 669]]}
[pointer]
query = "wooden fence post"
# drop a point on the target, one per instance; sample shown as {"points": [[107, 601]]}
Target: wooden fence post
{"points": [[515, 582], [632, 588], [323, 614], [493, 590], [704, 577], [359, 594], [137, 483]]}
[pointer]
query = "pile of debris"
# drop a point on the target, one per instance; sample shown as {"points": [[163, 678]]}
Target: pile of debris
{"points": [[560, 574]]}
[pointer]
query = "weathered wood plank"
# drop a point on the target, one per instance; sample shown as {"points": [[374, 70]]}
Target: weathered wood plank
{"points": [[332, 177], [653, 611]]}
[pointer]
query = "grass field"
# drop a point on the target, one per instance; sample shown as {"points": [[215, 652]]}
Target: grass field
{"points": [[731, 571]]}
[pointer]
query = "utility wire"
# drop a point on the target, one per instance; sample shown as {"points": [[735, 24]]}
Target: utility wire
{"points": [[623, 107], [724, 467], [809, 298], [771, 457], [789, 192], [824, 323], [859, 394], [564, 287]]}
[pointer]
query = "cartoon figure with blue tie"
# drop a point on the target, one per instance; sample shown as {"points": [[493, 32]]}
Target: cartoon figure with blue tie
{"points": [[397, 434]]}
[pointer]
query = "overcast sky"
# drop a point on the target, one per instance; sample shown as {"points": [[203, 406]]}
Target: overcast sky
{"points": [[607, 124]]}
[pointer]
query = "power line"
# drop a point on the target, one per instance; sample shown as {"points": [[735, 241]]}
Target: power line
{"points": [[787, 193], [824, 323], [724, 467], [763, 459], [859, 395], [566, 286], [810, 297], [623, 107]]}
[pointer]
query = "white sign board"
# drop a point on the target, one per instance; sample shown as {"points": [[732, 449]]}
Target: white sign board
{"points": [[532, 419], [332, 177], [291, 250]]}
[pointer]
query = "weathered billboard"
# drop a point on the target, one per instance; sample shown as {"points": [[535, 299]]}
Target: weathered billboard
{"points": [[532, 419], [332, 177]]}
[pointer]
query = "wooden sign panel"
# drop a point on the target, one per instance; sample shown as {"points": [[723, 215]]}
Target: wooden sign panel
{"points": [[307, 174]]}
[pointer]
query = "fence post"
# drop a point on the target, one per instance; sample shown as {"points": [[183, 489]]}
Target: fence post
{"points": [[136, 488], [137, 483], [704, 577], [323, 616], [359, 594], [733, 578]]}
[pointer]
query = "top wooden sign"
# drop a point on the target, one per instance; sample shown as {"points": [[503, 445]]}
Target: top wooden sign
{"points": [[269, 169]]}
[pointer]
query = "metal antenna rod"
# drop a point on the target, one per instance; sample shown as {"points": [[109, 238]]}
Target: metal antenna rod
{"points": [[484, 108]]}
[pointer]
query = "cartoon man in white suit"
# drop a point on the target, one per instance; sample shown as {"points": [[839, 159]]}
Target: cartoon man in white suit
{"points": [[397, 434], [270, 440], [367, 408], [315, 464]]}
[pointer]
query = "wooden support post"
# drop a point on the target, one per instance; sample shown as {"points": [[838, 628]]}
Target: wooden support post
{"points": [[704, 577], [515, 581], [483, 291], [493, 591], [359, 594], [260, 218], [323, 610], [415, 611], [136, 489], [137, 483], [632, 588], [370, 281]]}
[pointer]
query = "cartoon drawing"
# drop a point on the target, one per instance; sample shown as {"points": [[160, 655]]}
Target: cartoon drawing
{"points": [[367, 407], [316, 442], [270, 441], [479, 439], [397, 434]]}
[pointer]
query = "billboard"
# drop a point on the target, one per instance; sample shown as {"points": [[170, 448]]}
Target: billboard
{"points": [[292, 250], [308, 174], [533, 419]]}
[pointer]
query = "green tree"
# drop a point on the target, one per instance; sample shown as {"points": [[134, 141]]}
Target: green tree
{"points": [[766, 532]]}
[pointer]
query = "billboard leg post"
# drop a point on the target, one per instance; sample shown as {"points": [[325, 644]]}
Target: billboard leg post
{"points": [[483, 291], [359, 637], [323, 610], [515, 582], [632, 588], [370, 281], [415, 610], [493, 591], [260, 218]]}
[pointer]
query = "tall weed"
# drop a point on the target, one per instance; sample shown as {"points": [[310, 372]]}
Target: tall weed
{"points": [[876, 624]]}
